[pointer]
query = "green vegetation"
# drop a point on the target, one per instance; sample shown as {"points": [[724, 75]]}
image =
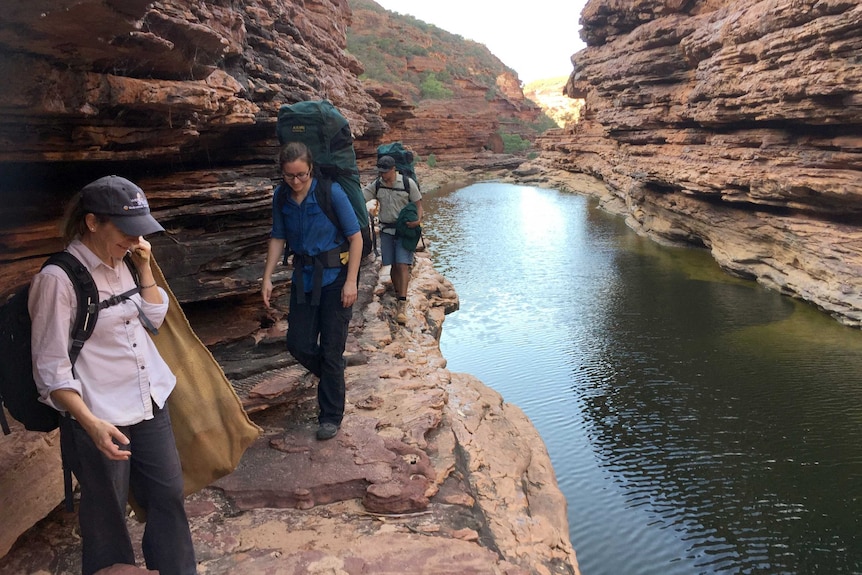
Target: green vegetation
{"points": [[544, 123], [423, 62], [433, 89], [387, 52], [432, 160], [513, 143], [550, 96]]}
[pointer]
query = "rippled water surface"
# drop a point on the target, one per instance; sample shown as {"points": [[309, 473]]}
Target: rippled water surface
{"points": [[697, 423]]}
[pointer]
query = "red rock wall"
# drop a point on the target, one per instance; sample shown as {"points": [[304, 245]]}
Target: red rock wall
{"points": [[450, 129], [462, 128], [179, 96], [182, 98], [734, 124]]}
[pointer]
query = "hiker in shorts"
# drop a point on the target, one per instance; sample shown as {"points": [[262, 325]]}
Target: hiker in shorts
{"points": [[392, 197], [115, 430], [323, 288]]}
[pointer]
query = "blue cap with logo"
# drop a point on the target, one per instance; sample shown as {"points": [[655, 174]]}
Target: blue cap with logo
{"points": [[124, 202]]}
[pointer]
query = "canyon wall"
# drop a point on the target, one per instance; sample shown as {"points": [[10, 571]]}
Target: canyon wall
{"points": [[487, 97], [180, 97], [731, 124]]}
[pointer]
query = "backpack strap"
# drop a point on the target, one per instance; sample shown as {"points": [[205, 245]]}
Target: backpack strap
{"points": [[335, 256], [328, 259], [405, 181], [126, 296], [323, 193], [279, 198], [88, 298], [87, 295], [85, 321]]}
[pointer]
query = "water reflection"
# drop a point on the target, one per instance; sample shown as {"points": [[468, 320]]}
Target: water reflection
{"points": [[697, 423]]}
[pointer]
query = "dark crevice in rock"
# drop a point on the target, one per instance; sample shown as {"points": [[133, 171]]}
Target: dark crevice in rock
{"points": [[462, 467]]}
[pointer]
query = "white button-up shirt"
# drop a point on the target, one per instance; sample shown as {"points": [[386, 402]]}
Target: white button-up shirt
{"points": [[119, 369]]}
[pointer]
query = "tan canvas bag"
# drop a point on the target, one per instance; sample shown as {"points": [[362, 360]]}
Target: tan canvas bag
{"points": [[211, 428]]}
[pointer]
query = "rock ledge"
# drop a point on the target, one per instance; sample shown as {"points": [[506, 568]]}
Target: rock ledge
{"points": [[431, 472]]}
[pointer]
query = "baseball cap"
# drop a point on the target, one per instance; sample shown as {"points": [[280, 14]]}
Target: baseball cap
{"points": [[385, 163], [124, 202]]}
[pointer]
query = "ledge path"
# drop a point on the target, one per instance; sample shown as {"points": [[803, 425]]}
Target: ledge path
{"points": [[431, 472]]}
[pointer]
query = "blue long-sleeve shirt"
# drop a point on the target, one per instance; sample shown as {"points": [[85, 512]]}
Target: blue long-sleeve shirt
{"points": [[308, 231]]}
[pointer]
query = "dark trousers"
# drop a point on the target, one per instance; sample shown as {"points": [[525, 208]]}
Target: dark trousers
{"points": [[155, 477], [315, 337]]}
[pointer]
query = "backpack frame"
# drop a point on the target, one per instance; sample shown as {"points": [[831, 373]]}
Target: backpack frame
{"points": [[405, 181], [404, 160], [326, 133]]}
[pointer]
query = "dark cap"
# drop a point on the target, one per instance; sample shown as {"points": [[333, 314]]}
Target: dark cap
{"points": [[385, 163], [124, 202]]}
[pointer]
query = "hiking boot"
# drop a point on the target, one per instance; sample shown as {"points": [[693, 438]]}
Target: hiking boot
{"points": [[401, 312], [327, 431]]}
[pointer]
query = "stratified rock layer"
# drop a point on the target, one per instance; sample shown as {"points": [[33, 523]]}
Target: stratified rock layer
{"points": [[734, 125], [180, 97]]}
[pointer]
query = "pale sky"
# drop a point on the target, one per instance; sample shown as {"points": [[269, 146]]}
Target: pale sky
{"points": [[536, 38]]}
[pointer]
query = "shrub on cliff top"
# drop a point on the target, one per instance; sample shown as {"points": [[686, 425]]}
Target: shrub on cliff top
{"points": [[433, 89]]}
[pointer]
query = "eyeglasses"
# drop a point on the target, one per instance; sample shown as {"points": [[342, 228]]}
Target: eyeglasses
{"points": [[300, 177]]}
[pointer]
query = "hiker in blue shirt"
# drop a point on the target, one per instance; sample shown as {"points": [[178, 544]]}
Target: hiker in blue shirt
{"points": [[325, 276]]}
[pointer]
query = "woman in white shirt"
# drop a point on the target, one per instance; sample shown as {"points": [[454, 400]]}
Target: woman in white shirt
{"points": [[116, 432]]}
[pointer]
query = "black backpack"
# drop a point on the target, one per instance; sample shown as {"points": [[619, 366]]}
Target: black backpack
{"points": [[17, 388], [405, 181]]}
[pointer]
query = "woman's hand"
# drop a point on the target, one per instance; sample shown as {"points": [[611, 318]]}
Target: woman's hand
{"points": [[348, 294], [373, 207], [274, 251], [141, 252], [110, 440], [266, 291], [107, 438]]}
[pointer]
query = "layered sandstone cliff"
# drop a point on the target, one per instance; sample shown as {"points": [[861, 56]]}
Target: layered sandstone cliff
{"points": [[732, 124], [180, 97], [487, 98]]}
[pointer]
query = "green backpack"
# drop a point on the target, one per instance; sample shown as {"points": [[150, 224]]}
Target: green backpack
{"points": [[403, 160], [325, 131]]}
